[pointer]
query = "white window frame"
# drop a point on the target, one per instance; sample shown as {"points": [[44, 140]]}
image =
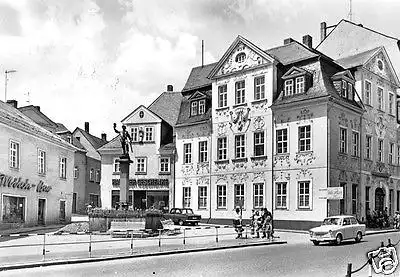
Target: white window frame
{"points": [[63, 168], [116, 166], [135, 134], [380, 150], [391, 153], [299, 194], [97, 176], [379, 94], [355, 139], [350, 94], [288, 87], [391, 103], [222, 96], [202, 106], [187, 153], [15, 155], [202, 197], [240, 92], [306, 139], [283, 142], [259, 141], [203, 151], [187, 195], [41, 162], [193, 108], [300, 84], [258, 195], [76, 172], [149, 133], [281, 195], [367, 92], [398, 154], [91, 175], [240, 146], [221, 195], [354, 198], [368, 147], [259, 87], [165, 165], [141, 165], [238, 194], [222, 152], [343, 140], [344, 89]]}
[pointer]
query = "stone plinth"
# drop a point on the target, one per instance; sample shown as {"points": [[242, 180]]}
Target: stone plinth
{"points": [[124, 162]]}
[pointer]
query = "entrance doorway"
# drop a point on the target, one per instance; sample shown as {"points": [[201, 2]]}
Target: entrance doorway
{"points": [[74, 203], [41, 211], [379, 199], [62, 210], [139, 199]]}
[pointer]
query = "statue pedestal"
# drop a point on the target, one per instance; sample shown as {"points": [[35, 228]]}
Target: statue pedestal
{"points": [[124, 162]]}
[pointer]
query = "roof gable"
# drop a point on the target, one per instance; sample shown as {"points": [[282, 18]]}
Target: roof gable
{"points": [[380, 64], [141, 115], [166, 106], [198, 77], [292, 52], [343, 74], [294, 72], [241, 55], [197, 95]]}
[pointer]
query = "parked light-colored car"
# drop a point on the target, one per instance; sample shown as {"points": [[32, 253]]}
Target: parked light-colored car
{"points": [[336, 229]]}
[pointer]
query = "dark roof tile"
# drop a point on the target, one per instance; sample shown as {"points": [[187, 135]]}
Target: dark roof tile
{"points": [[198, 77], [357, 59], [167, 106]]}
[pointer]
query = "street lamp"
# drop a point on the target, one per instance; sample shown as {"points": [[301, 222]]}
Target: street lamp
{"points": [[5, 83]]}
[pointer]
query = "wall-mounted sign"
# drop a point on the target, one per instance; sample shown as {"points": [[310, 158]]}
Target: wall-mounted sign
{"points": [[14, 182], [332, 193], [145, 183]]}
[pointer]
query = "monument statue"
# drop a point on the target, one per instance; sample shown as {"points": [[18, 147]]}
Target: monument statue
{"points": [[125, 138]]}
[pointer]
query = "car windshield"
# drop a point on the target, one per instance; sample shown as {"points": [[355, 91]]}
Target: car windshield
{"points": [[331, 221], [187, 211]]}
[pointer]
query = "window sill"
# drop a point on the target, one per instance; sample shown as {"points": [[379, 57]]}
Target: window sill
{"points": [[14, 168], [43, 175], [304, 209], [116, 173], [221, 161], [264, 157], [221, 108], [355, 157], [187, 164], [143, 142], [368, 160], [305, 152], [379, 110], [392, 115], [91, 181], [239, 105], [164, 173], [221, 209], [343, 154], [238, 160], [63, 178], [259, 101], [282, 209], [278, 155], [203, 163], [202, 209], [140, 173]]}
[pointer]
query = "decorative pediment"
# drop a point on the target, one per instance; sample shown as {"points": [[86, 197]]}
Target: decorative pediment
{"points": [[346, 74], [197, 95], [141, 115], [381, 65], [294, 72], [241, 55]]}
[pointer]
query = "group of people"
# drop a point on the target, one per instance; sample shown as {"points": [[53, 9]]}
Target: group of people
{"points": [[378, 219], [261, 222]]}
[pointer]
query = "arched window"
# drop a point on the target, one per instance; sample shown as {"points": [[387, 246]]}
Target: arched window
{"points": [[240, 57]]}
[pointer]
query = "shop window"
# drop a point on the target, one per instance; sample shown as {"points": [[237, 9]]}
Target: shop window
{"points": [[13, 209]]}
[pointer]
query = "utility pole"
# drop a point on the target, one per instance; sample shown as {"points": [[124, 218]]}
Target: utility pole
{"points": [[350, 11], [5, 83]]}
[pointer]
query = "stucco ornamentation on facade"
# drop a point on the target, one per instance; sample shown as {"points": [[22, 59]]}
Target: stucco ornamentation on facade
{"points": [[281, 176], [304, 173], [304, 115], [282, 160], [260, 105], [187, 181], [239, 177], [240, 120], [239, 165], [188, 169], [203, 168], [221, 166], [258, 123], [343, 120], [222, 128], [259, 162], [304, 159], [203, 181]]}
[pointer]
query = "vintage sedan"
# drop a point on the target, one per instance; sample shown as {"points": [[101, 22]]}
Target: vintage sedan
{"points": [[336, 229], [183, 215]]}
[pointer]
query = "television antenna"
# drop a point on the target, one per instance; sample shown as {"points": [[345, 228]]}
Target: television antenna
{"points": [[350, 15]]}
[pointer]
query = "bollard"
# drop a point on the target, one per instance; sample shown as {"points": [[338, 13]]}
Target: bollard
{"points": [[216, 234], [370, 267], [389, 243], [246, 231], [184, 237], [132, 242], [90, 244], [159, 239], [44, 247], [382, 244], [348, 270]]}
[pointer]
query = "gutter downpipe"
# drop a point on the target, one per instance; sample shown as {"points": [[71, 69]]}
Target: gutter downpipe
{"points": [[211, 152], [328, 150], [272, 167]]}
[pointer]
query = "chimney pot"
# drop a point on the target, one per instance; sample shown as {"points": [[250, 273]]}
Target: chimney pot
{"points": [[104, 136], [287, 41], [323, 30], [170, 88], [13, 103], [307, 41], [87, 127]]}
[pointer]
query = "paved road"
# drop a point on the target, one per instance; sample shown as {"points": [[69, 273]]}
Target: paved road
{"points": [[293, 259]]}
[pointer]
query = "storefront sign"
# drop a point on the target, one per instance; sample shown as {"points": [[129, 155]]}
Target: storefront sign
{"points": [[145, 183], [14, 182], [332, 193]]}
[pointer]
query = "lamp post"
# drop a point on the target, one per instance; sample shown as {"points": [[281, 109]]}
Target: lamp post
{"points": [[5, 82]]}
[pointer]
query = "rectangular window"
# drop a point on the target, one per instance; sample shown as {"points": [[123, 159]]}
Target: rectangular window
{"points": [[186, 197], [342, 202], [203, 151], [299, 84], [391, 103], [94, 200], [343, 141], [222, 148], [304, 138], [222, 96], [356, 144], [258, 195], [221, 196], [116, 166], [63, 168], [344, 89], [187, 153], [97, 176], [391, 153], [202, 106], [259, 88], [239, 92], [240, 146], [91, 175], [14, 154], [281, 195], [367, 203], [141, 166], [391, 198], [380, 98], [281, 141], [13, 209], [164, 165], [367, 93], [350, 91], [304, 195], [41, 162], [380, 150], [76, 172], [239, 195], [354, 199], [193, 110], [398, 155], [368, 147], [259, 144], [202, 197], [398, 201], [134, 133], [288, 87], [149, 133]]}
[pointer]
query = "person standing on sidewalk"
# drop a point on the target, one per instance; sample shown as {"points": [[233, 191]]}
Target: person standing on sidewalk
{"points": [[237, 223]]}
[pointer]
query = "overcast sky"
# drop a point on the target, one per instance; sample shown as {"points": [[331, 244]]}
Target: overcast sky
{"points": [[97, 60]]}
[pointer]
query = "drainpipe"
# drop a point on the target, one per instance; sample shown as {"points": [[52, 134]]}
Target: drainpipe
{"points": [[211, 152], [328, 152], [272, 167]]}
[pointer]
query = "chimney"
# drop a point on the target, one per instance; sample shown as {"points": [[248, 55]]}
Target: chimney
{"points": [[87, 127], [307, 41], [38, 108], [104, 136], [287, 41], [170, 88], [323, 30], [13, 103]]}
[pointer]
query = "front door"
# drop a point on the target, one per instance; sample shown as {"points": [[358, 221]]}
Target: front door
{"points": [[62, 210], [379, 199], [74, 203], [41, 211]]}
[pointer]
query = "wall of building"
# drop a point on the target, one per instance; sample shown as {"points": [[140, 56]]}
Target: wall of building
{"points": [[80, 182], [92, 187]]}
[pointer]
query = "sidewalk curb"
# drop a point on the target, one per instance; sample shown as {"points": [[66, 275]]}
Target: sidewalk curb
{"points": [[381, 232], [154, 254]]}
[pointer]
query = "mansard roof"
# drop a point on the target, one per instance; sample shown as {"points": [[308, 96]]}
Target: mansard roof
{"points": [[184, 117], [198, 77], [167, 106]]}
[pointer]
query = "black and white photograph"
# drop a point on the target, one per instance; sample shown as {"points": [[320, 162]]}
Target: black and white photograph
{"points": [[200, 138]]}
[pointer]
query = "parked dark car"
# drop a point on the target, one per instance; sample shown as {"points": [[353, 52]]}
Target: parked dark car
{"points": [[182, 216]]}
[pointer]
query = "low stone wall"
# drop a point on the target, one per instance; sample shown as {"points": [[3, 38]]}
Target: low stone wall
{"points": [[103, 224]]}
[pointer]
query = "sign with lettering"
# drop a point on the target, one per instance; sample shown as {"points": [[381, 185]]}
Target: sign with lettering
{"points": [[332, 193], [18, 182], [145, 183]]}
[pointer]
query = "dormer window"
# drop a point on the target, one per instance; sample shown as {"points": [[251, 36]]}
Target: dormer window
{"points": [[350, 91], [193, 110], [300, 84], [288, 87], [198, 107], [202, 106], [344, 89], [240, 57], [296, 81]]}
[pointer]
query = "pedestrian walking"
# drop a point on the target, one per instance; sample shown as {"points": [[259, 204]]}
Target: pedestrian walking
{"points": [[267, 224], [237, 223], [258, 223], [252, 222]]}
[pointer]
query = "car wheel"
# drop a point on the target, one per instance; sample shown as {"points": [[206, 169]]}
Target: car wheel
{"points": [[316, 243], [180, 222], [339, 239], [358, 237], [196, 223]]}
